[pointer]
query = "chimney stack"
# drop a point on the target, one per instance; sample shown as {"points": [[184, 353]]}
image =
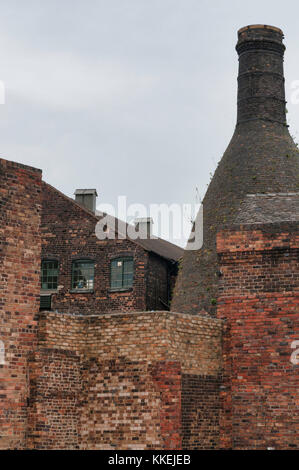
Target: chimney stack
{"points": [[261, 92], [86, 198]]}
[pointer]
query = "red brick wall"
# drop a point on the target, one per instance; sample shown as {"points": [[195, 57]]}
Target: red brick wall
{"points": [[20, 207], [135, 369], [201, 411], [122, 409], [259, 299], [167, 377], [55, 400]]}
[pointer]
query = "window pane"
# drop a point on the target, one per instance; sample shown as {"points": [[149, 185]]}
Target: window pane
{"points": [[128, 273], [49, 275], [121, 273], [83, 275], [116, 273], [45, 302], [128, 266]]}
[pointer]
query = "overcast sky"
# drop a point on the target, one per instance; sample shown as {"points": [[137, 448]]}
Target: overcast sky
{"points": [[132, 97]]}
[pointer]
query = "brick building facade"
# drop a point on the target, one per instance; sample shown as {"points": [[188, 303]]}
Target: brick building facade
{"points": [[20, 248], [259, 301], [69, 236]]}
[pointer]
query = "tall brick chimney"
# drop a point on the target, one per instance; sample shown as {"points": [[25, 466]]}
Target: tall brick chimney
{"points": [[261, 158], [261, 82]]}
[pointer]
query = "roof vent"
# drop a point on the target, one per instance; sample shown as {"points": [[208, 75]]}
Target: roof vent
{"points": [[144, 226], [87, 198]]}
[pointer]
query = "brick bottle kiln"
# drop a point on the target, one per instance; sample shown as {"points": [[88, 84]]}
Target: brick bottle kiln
{"points": [[261, 158]]}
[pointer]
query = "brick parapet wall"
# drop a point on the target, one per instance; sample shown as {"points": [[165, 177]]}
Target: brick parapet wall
{"points": [[20, 246], [195, 342], [134, 372], [259, 301], [156, 335], [65, 332]]}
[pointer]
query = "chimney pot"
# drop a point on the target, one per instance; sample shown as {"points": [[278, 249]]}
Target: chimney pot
{"points": [[144, 226]]}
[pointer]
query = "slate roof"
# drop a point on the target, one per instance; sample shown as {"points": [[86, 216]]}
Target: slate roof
{"points": [[154, 244], [269, 208]]}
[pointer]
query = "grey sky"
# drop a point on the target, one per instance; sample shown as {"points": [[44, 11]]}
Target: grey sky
{"points": [[133, 97]]}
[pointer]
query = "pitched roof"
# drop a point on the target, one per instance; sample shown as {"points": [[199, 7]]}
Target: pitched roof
{"points": [[154, 244], [269, 208], [162, 248]]}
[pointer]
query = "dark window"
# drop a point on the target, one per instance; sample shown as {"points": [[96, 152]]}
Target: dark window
{"points": [[121, 273], [49, 275], [45, 302], [83, 275]]}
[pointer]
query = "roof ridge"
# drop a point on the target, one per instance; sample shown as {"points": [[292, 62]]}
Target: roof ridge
{"points": [[84, 209]]}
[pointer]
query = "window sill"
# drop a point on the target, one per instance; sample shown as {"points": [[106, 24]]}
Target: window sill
{"points": [[120, 289], [81, 291], [49, 291]]}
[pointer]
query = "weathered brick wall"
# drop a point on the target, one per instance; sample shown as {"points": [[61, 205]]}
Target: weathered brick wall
{"points": [[20, 207], [200, 411], [259, 299], [122, 406], [68, 233], [56, 382], [158, 283], [136, 371], [55, 400]]}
